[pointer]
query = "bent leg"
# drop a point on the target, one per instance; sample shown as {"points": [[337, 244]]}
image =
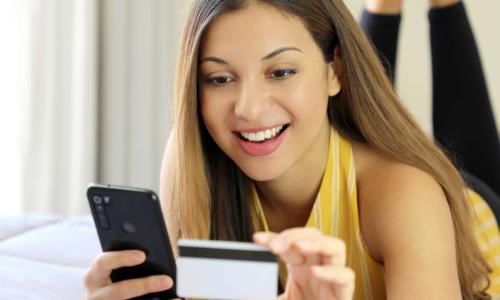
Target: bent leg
{"points": [[383, 30], [462, 116]]}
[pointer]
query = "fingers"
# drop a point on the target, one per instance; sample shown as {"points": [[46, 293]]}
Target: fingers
{"points": [[264, 238], [300, 245], [332, 250], [277, 242], [283, 244], [339, 279], [100, 270], [99, 286], [315, 261], [134, 287]]}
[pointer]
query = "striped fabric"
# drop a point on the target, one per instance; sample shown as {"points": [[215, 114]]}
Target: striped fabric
{"points": [[335, 213], [488, 238]]}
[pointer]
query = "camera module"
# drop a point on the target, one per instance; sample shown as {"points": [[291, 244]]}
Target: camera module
{"points": [[97, 199]]}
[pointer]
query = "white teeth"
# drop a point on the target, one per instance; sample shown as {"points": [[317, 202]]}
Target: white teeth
{"points": [[262, 135]]}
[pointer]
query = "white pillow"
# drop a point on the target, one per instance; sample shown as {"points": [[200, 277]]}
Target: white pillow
{"points": [[72, 242]]}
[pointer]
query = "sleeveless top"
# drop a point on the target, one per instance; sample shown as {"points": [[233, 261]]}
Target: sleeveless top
{"points": [[335, 213]]}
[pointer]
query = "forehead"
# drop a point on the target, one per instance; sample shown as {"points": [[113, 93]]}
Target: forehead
{"points": [[255, 30]]}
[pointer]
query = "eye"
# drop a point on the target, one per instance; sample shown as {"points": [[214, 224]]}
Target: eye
{"points": [[283, 73], [218, 81]]}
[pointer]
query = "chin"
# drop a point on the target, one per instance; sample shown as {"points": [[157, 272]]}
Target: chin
{"points": [[261, 173]]}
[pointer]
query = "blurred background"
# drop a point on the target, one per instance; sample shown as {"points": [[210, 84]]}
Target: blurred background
{"points": [[86, 86]]}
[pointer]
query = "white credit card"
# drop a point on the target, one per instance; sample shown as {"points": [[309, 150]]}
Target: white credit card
{"points": [[226, 270]]}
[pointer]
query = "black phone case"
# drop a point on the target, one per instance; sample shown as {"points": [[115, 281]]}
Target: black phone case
{"points": [[131, 218]]}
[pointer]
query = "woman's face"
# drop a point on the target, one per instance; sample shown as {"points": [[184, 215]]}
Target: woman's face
{"points": [[264, 88]]}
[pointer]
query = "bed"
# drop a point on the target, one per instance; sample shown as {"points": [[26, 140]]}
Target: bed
{"points": [[45, 256]]}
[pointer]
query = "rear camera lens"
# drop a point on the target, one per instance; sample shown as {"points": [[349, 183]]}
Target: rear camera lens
{"points": [[99, 208], [97, 199]]}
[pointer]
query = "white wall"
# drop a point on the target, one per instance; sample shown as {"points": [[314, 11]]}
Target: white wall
{"points": [[414, 62], [138, 44]]}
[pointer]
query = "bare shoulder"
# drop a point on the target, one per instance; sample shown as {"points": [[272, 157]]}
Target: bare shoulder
{"points": [[405, 221], [393, 193]]}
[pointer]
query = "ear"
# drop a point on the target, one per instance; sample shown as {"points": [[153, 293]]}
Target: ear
{"points": [[335, 69]]}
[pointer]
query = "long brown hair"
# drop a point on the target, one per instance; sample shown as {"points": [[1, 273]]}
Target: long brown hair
{"points": [[211, 196]]}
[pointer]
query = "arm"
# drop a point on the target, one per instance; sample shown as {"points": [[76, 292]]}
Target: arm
{"points": [[410, 228]]}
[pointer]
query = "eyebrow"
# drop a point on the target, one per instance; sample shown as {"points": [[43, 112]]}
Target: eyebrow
{"points": [[220, 61]]}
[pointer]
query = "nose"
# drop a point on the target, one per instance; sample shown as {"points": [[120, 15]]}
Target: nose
{"points": [[252, 102]]}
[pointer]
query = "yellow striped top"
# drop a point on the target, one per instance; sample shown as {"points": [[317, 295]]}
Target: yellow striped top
{"points": [[488, 239], [335, 213]]}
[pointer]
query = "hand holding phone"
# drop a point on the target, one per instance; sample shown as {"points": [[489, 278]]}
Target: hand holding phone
{"points": [[98, 284], [129, 221]]}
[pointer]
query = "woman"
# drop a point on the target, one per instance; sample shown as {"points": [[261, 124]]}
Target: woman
{"points": [[284, 118]]}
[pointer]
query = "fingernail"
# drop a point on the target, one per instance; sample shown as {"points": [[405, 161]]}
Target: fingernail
{"points": [[317, 269], [258, 236], [137, 257], [164, 283], [304, 244], [278, 245]]}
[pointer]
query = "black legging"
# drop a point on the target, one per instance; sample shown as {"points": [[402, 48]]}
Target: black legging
{"points": [[463, 120]]}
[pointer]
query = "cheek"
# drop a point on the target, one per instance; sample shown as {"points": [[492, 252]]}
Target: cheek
{"points": [[307, 97], [207, 115], [213, 112]]}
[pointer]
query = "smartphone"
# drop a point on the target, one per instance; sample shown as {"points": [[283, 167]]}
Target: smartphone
{"points": [[131, 218]]}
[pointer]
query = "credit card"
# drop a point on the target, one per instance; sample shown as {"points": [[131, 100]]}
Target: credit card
{"points": [[226, 270]]}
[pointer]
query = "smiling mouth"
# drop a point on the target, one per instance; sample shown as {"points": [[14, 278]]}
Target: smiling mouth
{"points": [[264, 135]]}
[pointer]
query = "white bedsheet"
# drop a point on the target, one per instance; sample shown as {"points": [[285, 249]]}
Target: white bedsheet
{"points": [[45, 256]]}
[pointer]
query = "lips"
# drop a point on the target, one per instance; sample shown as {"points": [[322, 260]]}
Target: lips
{"points": [[263, 135], [262, 142]]}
